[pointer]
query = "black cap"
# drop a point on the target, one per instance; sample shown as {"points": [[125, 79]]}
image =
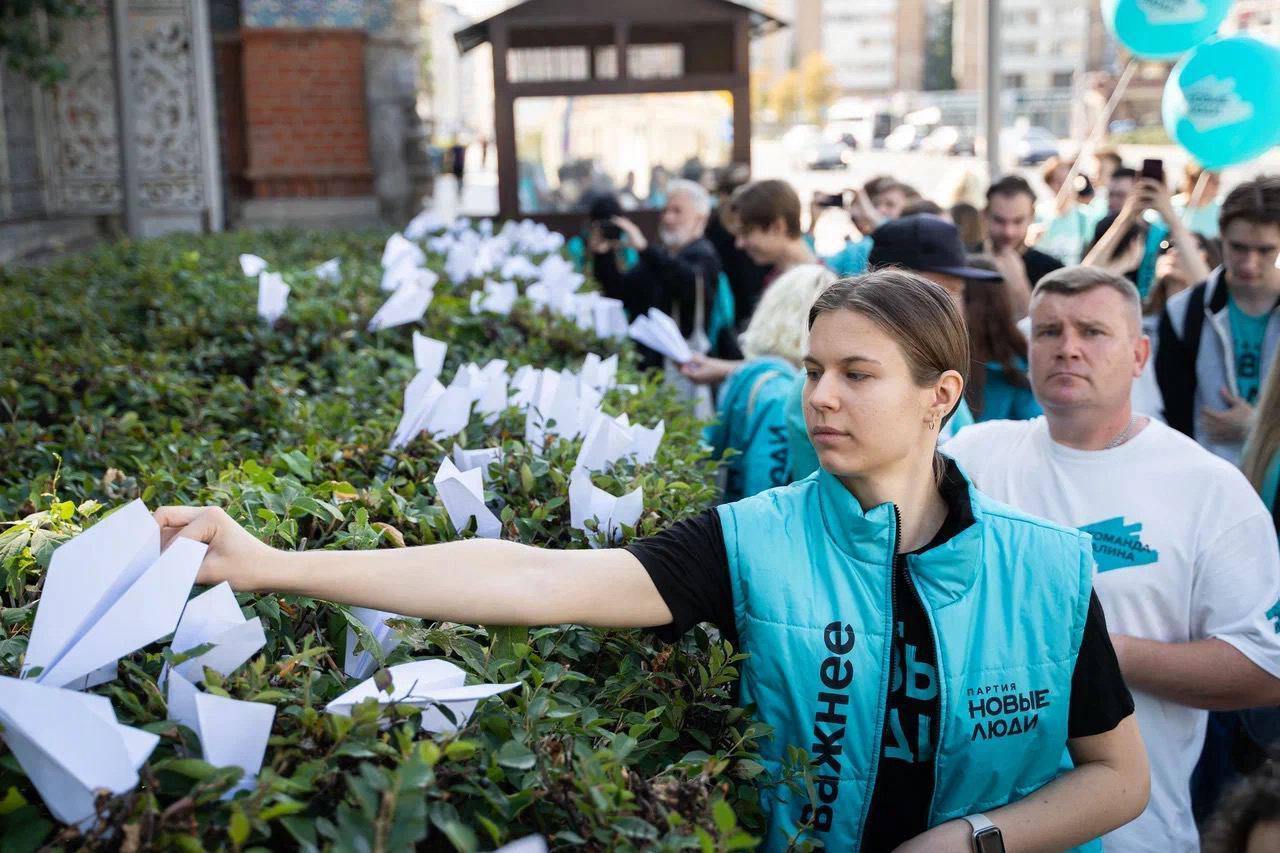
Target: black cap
{"points": [[925, 243]]}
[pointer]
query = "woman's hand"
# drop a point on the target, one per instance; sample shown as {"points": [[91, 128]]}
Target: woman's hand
{"points": [[597, 244], [1155, 195], [234, 555], [705, 370], [632, 231]]}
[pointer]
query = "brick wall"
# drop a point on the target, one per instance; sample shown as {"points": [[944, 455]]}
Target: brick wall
{"points": [[306, 130]]}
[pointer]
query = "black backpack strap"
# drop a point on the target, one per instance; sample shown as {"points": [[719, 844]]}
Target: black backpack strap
{"points": [[1194, 325], [1176, 358]]}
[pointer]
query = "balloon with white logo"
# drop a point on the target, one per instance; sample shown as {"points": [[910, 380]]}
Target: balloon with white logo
{"points": [[1219, 101], [1163, 29]]}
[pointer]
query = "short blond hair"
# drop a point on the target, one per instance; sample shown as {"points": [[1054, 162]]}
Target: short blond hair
{"points": [[779, 325]]}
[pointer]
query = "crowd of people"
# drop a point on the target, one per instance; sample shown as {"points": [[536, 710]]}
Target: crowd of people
{"points": [[1150, 418], [1000, 520]]}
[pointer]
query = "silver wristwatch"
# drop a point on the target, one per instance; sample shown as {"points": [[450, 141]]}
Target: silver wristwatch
{"points": [[986, 835]]}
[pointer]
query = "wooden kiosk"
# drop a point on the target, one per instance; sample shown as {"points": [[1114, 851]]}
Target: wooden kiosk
{"points": [[574, 49]]}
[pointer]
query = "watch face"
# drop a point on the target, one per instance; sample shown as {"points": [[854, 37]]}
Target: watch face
{"points": [[988, 840]]}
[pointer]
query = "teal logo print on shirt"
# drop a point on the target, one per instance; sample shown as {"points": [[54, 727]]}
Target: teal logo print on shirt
{"points": [[1117, 545], [1274, 615]]}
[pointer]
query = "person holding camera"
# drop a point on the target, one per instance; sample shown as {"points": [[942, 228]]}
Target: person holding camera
{"points": [[1130, 243], [678, 277]]}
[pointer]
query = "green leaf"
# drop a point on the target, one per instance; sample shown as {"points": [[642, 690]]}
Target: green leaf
{"points": [[724, 817], [12, 801], [516, 756], [238, 827], [192, 768], [460, 750]]}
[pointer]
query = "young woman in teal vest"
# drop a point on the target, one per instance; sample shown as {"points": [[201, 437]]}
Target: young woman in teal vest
{"points": [[939, 656]]}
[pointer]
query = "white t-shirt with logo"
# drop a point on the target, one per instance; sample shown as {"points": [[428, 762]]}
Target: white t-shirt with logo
{"points": [[1185, 551]]}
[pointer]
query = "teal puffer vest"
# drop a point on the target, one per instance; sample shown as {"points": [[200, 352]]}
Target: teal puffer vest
{"points": [[1007, 600]]}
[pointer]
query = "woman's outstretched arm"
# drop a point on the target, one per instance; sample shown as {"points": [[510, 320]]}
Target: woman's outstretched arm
{"points": [[478, 581]]}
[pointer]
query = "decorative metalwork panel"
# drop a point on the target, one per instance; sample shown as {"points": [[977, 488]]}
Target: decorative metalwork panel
{"points": [[85, 168], [21, 181]]}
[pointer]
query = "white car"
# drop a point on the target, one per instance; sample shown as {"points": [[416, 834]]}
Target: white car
{"points": [[1032, 145]]}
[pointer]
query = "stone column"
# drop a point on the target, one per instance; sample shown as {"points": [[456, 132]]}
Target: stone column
{"points": [[391, 90]]}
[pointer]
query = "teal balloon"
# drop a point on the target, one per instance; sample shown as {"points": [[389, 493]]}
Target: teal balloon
{"points": [[1163, 29], [1219, 102]]}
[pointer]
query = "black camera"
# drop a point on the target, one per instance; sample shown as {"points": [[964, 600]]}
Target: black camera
{"points": [[608, 230], [822, 199]]}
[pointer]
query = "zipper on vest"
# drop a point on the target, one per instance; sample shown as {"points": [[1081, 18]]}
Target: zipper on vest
{"points": [[886, 679], [942, 694]]}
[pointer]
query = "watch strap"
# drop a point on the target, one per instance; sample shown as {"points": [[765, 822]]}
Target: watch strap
{"points": [[979, 822]]}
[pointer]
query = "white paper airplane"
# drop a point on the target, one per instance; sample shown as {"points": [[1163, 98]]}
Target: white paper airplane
{"points": [[273, 296], [252, 265], [330, 271], [214, 617], [586, 501], [609, 320], [497, 298], [608, 440], [70, 745], [600, 374], [462, 493], [428, 354], [518, 266], [360, 662], [659, 332], [426, 222], [467, 460], [232, 732], [406, 305], [425, 684], [109, 592], [398, 250]]}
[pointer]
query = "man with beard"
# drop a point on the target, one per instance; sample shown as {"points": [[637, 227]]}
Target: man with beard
{"points": [[678, 277]]}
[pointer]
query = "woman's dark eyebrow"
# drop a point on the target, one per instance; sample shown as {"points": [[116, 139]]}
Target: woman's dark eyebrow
{"points": [[849, 359]]}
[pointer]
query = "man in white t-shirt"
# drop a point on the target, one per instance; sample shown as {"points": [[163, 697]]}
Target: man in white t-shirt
{"points": [[1188, 568]]}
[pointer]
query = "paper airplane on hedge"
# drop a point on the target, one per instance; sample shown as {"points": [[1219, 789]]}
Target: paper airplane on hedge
{"points": [[428, 354], [252, 265], [330, 271], [498, 298], [528, 844], [70, 745], [406, 305], [610, 439], [466, 460], [426, 222], [586, 501], [400, 250], [359, 661], [214, 618], [232, 732], [562, 406], [430, 406], [273, 296], [462, 493], [426, 684], [518, 266], [108, 592], [609, 320], [659, 332], [599, 373]]}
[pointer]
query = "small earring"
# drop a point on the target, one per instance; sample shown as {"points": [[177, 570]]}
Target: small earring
{"points": [[933, 422]]}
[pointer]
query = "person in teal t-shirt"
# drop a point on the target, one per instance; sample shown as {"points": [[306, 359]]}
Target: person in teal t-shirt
{"points": [[1248, 332]]}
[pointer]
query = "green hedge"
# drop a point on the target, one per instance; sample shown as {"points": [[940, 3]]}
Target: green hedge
{"points": [[142, 370]]}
